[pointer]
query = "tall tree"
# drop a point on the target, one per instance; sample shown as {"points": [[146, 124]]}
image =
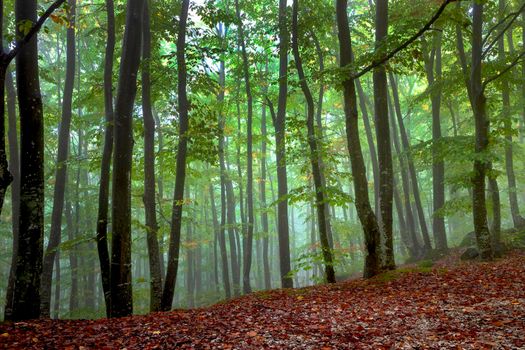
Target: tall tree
{"points": [[180, 176], [362, 202], [479, 206], [433, 69], [320, 194], [107, 152], [149, 167], [384, 145], [31, 223], [55, 235], [517, 219], [120, 285], [283, 229], [248, 242]]}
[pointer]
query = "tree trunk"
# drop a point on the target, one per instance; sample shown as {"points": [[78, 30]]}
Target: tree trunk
{"points": [[180, 172], [248, 241], [262, 199], [121, 289], [362, 202], [479, 206], [314, 150], [221, 236], [103, 197], [14, 168], [517, 219], [413, 247], [370, 140], [411, 168], [434, 75], [31, 235], [152, 226], [61, 167], [280, 152], [384, 154]]}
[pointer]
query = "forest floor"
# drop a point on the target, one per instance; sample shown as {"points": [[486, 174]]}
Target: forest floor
{"points": [[453, 304]]}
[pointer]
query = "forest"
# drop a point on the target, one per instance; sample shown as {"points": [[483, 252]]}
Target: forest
{"points": [[211, 156]]}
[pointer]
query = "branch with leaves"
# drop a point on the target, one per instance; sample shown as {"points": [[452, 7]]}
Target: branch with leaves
{"points": [[19, 44], [409, 41]]}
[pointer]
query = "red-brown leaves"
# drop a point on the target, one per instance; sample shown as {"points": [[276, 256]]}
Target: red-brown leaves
{"points": [[466, 306]]}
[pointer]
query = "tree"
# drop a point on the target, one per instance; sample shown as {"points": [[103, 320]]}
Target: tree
{"points": [[120, 285], [283, 229], [149, 167], [107, 152], [362, 201], [479, 206], [320, 196], [248, 241], [55, 235], [180, 176], [384, 154]]}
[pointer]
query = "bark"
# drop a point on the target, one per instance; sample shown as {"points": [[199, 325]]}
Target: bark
{"points": [[31, 224], [280, 152], [362, 202], [370, 140], [180, 172], [384, 154], [413, 246], [479, 206], [221, 236], [411, 168], [152, 226], [14, 168], [517, 219], [121, 289], [434, 76], [56, 305], [248, 242], [315, 157], [61, 166], [262, 199], [103, 196]]}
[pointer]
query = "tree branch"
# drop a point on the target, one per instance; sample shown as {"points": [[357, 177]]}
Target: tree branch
{"points": [[502, 32], [403, 46], [19, 44], [272, 109], [514, 62]]}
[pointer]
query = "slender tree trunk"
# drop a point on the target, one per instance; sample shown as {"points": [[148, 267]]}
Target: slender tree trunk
{"points": [[61, 167], [248, 241], [31, 235], [517, 219], [180, 176], [370, 140], [73, 260], [280, 152], [364, 210], [222, 239], [411, 168], [56, 305], [262, 199], [103, 197], [152, 226], [433, 72], [121, 293], [413, 247], [479, 206], [384, 154], [314, 150], [14, 168]]}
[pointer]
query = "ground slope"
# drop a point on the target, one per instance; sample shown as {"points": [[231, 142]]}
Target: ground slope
{"points": [[453, 305]]}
